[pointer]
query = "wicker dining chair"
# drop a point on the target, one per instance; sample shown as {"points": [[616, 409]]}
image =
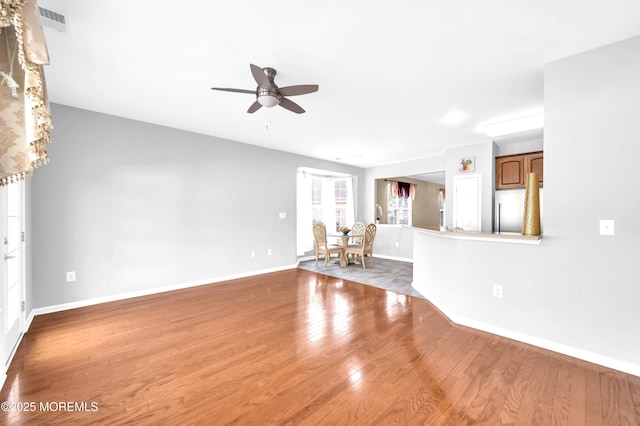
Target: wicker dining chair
{"points": [[365, 247], [322, 247], [357, 233]]}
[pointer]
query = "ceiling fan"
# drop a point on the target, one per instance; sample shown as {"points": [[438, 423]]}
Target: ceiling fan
{"points": [[270, 95]]}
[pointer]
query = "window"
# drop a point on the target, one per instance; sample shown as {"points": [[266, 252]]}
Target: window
{"points": [[399, 209], [342, 202], [322, 196], [316, 200], [330, 201]]}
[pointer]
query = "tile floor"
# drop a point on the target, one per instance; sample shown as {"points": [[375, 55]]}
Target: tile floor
{"points": [[385, 273]]}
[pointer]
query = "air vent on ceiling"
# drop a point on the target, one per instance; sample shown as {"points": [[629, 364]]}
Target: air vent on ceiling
{"points": [[53, 19]]}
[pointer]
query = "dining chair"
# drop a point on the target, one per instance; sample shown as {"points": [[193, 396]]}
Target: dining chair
{"points": [[366, 245], [357, 231], [320, 235]]}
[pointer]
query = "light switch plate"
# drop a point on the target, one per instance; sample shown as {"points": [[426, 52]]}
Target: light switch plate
{"points": [[283, 215], [607, 227]]}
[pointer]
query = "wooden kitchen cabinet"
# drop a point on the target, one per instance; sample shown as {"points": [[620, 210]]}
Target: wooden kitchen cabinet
{"points": [[512, 170], [534, 164]]}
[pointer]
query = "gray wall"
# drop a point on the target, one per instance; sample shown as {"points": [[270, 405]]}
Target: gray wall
{"points": [[592, 142], [577, 291], [133, 207]]}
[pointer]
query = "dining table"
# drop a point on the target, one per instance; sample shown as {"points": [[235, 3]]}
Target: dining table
{"points": [[344, 260]]}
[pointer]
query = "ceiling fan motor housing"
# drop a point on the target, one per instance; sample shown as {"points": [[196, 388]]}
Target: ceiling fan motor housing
{"points": [[270, 72], [269, 96]]}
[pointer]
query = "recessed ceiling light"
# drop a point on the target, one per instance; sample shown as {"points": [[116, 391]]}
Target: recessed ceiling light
{"points": [[454, 117]]}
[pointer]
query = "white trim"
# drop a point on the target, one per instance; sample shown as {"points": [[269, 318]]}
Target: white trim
{"points": [[571, 351], [20, 187], [381, 256], [3, 378], [28, 322], [13, 353], [147, 292], [399, 259]]}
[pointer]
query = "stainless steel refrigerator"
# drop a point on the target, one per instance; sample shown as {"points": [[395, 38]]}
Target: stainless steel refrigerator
{"points": [[509, 210]]}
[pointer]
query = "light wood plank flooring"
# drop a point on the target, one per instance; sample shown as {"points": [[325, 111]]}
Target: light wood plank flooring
{"points": [[296, 347]]}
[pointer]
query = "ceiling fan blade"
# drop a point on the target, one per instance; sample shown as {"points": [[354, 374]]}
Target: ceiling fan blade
{"points": [[226, 89], [259, 76], [301, 89], [254, 107], [291, 106]]}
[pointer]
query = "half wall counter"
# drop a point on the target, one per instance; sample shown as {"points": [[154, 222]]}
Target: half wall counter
{"points": [[457, 271]]}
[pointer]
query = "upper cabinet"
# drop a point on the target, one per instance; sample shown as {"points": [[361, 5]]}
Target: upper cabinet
{"points": [[511, 170]]}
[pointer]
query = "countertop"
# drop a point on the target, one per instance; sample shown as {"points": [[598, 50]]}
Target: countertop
{"points": [[482, 236]]}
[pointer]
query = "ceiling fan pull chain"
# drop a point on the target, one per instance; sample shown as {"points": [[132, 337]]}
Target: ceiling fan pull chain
{"points": [[268, 118]]}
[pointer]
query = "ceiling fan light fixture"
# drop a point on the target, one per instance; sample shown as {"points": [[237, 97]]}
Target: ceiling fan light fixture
{"points": [[268, 97], [268, 101]]}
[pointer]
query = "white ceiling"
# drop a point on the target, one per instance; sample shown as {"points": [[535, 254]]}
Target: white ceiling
{"points": [[388, 71]]}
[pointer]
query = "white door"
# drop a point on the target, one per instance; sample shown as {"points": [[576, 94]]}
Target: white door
{"points": [[13, 271], [467, 214]]}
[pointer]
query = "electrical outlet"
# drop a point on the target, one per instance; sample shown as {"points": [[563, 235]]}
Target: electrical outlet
{"points": [[269, 252], [253, 254], [497, 291], [397, 244], [71, 276], [283, 215]]}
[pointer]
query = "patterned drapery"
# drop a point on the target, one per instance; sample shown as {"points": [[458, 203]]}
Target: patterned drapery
{"points": [[403, 190], [25, 117]]}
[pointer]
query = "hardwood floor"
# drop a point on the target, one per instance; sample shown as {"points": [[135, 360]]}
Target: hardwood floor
{"points": [[296, 347]]}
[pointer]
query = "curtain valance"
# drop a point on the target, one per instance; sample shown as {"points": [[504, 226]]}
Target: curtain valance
{"points": [[25, 117]]}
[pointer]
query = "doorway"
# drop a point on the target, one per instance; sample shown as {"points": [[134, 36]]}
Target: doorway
{"points": [[13, 289], [467, 213]]}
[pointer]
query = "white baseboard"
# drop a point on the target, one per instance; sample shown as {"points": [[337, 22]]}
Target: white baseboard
{"points": [[28, 321], [147, 292], [399, 259], [26, 326], [571, 351], [377, 256]]}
